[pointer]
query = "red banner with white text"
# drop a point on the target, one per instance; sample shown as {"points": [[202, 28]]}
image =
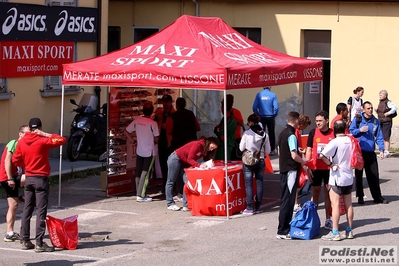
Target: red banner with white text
{"points": [[30, 58]]}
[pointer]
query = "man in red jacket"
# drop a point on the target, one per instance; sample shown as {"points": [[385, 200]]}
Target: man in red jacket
{"points": [[32, 155]]}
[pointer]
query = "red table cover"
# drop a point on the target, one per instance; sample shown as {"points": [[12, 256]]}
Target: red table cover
{"points": [[206, 190]]}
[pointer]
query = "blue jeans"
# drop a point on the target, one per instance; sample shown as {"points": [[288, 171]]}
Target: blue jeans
{"points": [[175, 169], [259, 171]]}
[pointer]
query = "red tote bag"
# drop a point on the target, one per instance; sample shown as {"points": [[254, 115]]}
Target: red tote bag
{"points": [[63, 232]]}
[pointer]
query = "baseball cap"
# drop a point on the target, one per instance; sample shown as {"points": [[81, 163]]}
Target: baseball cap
{"points": [[167, 98], [35, 123]]}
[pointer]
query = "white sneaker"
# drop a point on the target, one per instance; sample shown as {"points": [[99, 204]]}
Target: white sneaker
{"points": [[387, 154], [328, 225], [174, 207], [185, 209], [331, 237], [285, 237], [145, 199]]}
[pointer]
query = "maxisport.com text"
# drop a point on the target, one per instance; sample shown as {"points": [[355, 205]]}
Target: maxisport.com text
{"points": [[278, 76], [183, 79], [308, 73], [234, 79], [233, 203], [37, 68]]}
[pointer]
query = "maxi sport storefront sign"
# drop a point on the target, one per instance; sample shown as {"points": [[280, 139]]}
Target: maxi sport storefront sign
{"points": [[25, 22], [32, 58]]}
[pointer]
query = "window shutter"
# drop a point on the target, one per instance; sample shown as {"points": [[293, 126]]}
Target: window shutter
{"points": [[62, 3], [54, 82], [3, 87]]}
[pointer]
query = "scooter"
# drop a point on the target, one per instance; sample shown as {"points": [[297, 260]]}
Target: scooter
{"points": [[88, 129]]}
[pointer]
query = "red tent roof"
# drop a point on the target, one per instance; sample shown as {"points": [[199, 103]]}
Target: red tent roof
{"points": [[194, 52]]}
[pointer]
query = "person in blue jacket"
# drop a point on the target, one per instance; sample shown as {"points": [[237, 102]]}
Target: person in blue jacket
{"points": [[367, 129], [266, 106]]}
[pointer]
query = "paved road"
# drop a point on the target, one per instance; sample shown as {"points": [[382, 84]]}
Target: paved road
{"points": [[120, 231]]}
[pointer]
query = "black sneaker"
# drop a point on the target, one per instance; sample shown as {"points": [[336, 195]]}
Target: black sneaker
{"points": [[11, 238], [43, 248], [380, 200], [27, 245]]}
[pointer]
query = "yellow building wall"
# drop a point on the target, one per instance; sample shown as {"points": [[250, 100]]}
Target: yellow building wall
{"points": [[28, 102], [363, 49], [363, 46]]}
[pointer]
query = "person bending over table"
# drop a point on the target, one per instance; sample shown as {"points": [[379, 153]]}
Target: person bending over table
{"points": [[185, 157]]}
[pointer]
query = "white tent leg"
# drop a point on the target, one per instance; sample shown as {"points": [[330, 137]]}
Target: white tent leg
{"points": [[61, 130], [226, 176]]}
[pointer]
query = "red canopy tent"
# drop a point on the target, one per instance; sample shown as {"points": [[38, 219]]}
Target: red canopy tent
{"points": [[193, 53]]}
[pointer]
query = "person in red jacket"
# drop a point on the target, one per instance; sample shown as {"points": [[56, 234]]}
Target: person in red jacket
{"points": [[318, 138], [11, 179], [32, 155], [184, 157]]}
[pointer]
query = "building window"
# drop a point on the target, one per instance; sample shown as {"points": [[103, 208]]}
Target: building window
{"points": [[3, 87], [4, 94], [114, 38], [61, 2], [318, 43], [53, 84], [254, 34], [143, 33]]}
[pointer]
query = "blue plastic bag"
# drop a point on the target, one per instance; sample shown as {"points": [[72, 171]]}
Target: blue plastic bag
{"points": [[306, 222]]}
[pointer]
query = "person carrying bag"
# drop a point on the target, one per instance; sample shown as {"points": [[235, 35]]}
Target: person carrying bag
{"points": [[255, 145]]}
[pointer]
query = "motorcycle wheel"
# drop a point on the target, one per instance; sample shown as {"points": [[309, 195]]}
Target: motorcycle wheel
{"points": [[72, 152]]}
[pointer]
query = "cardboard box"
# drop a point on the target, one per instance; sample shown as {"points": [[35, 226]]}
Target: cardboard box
{"points": [[103, 180]]}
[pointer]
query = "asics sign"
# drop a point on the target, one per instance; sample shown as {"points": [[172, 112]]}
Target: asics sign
{"points": [[23, 22], [36, 22], [75, 24]]}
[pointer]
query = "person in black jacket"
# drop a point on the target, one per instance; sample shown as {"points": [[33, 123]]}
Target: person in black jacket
{"points": [[181, 128], [289, 162]]}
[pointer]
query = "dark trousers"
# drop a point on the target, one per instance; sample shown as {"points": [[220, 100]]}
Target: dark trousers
{"points": [[36, 196], [142, 168], [287, 201], [372, 176], [270, 124]]}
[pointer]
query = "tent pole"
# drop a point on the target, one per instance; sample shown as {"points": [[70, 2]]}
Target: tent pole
{"points": [[226, 176], [61, 131]]}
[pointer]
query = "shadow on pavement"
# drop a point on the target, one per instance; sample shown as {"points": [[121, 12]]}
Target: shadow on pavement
{"points": [[58, 263]]}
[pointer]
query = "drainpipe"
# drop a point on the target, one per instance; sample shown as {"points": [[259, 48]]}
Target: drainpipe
{"points": [[195, 94], [97, 89], [196, 8]]}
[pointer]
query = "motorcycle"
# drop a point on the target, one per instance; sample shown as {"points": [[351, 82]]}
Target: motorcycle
{"points": [[88, 129]]}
